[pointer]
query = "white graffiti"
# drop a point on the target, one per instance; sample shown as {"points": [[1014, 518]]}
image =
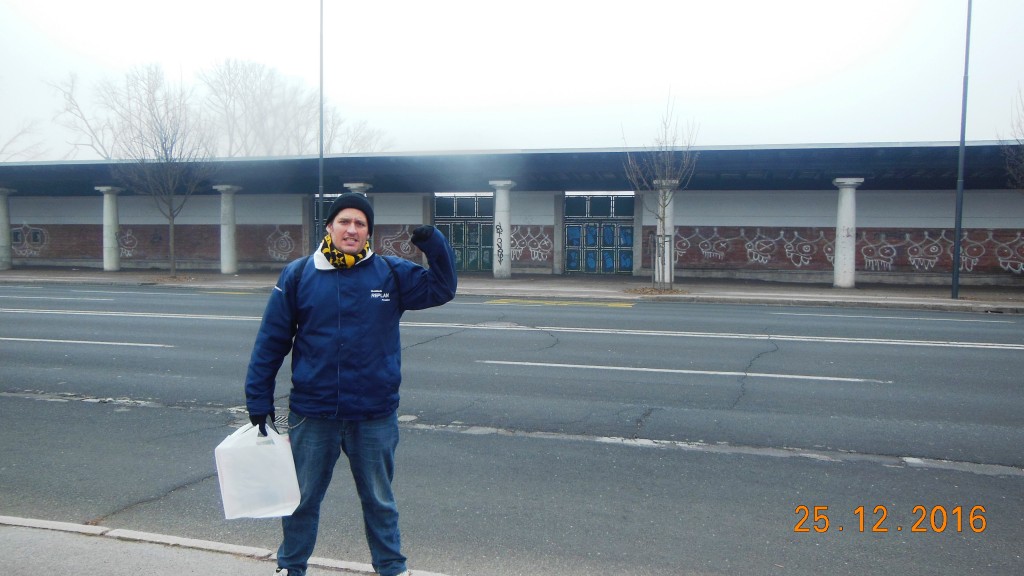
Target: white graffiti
{"points": [[280, 245], [29, 241], [126, 243], [924, 255], [801, 251], [761, 248], [1011, 254], [399, 244], [878, 256], [923, 251], [538, 243]]}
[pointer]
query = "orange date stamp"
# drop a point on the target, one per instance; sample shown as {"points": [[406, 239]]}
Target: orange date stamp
{"points": [[878, 519]]}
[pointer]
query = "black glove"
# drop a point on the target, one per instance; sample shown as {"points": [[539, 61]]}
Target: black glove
{"points": [[421, 234], [260, 420]]}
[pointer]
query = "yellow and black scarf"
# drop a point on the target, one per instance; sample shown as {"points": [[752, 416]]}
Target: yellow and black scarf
{"points": [[339, 259]]}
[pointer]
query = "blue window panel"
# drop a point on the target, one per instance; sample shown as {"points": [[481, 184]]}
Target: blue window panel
{"points": [[486, 259], [459, 257], [608, 235], [624, 206], [465, 207], [485, 206], [472, 259], [590, 235], [458, 234], [445, 229], [474, 235], [625, 260], [607, 261], [572, 260], [625, 236], [600, 206], [576, 206], [590, 258], [574, 236], [444, 206]]}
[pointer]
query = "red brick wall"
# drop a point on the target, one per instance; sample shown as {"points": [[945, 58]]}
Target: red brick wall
{"points": [[878, 250]]}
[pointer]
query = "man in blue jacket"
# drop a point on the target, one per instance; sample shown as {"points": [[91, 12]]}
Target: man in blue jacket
{"points": [[337, 312]]}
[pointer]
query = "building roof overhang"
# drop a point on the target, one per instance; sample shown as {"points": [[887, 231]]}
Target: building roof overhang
{"points": [[899, 166]]}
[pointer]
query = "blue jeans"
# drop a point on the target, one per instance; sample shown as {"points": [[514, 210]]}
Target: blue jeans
{"points": [[370, 448]]}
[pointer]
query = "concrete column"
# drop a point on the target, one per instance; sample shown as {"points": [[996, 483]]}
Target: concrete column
{"points": [[361, 187], [638, 232], [845, 255], [502, 261], [558, 242], [228, 229], [428, 218], [111, 226], [6, 252]]}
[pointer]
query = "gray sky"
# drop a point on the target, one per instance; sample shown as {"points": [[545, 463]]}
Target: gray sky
{"points": [[486, 75]]}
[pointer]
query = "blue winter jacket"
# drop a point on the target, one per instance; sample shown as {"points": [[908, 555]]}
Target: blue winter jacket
{"points": [[341, 327]]}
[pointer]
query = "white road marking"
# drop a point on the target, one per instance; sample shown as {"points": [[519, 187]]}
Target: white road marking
{"points": [[130, 314], [725, 335], [95, 342], [914, 318], [835, 456], [4, 297], [564, 329], [696, 372]]}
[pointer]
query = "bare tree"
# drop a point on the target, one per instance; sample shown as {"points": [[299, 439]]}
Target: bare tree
{"points": [[657, 173], [92, 132], [18, 146], [154, 135], [259, 112], [1014, 152]]}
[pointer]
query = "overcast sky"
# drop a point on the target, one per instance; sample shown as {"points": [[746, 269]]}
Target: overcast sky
{"points": [[555, 74]]}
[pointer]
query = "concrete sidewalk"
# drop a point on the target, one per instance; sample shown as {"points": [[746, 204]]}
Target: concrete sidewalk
{"points": [[995, 299]]}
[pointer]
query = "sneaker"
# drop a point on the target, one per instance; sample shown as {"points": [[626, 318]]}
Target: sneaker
{"points": [[281, 572]]}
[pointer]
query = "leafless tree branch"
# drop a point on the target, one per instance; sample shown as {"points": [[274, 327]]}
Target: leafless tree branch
{"points": [[261, 113], [17, 148], [656, 174]]}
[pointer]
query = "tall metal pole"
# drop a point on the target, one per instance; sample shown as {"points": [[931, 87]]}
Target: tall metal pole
{"points": [[958, 230], [320, 189]]}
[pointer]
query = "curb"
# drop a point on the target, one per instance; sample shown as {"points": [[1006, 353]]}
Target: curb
{"points": [[188, 544]]}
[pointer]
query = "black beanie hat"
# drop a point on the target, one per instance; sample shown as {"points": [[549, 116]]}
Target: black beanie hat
{"points": [[352, 200]]}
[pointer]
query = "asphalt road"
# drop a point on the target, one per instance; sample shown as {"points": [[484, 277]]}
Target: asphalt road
{"points": [[555, 437]]}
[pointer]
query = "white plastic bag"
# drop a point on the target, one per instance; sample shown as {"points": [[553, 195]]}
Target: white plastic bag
{"points": [[257, 474]]}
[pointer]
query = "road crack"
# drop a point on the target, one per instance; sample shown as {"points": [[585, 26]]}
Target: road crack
{"points": [[741, 395], [100, 520]]}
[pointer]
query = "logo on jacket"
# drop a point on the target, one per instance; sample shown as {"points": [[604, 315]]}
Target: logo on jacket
{"points": [[381, 295]]}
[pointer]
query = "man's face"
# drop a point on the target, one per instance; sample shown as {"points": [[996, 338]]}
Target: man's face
{"points": [[349, 230]]}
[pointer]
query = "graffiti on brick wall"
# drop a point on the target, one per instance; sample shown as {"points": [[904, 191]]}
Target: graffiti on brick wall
{"points": [[29, 241], [924, 251], [1011, 254], [280, 245], [396, 243], [537, 243], [126, 243], [758, 248], [985, 251]]}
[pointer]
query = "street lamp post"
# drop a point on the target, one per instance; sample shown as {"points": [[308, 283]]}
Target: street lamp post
{"points": [[958, 228], [318, 211]]}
